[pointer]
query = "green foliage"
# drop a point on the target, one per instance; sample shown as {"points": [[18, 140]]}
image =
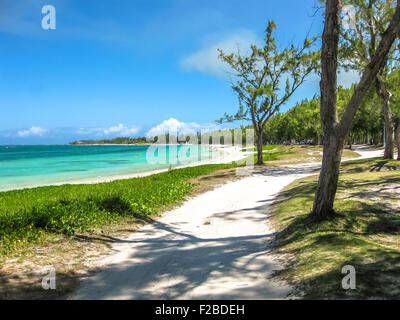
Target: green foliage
{"points": [[259, 76], [302, 122], [27, 215], [394, 83]]}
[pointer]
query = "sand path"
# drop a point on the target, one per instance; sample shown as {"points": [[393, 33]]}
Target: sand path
{"points": [[215, 246]]}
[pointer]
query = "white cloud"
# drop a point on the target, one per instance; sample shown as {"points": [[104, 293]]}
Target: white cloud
{"points": [[206, 60], [176, 127], [120, 130], [34, 131]]}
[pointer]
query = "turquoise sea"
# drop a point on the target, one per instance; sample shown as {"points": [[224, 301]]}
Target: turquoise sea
{"points": [[28, 166]]}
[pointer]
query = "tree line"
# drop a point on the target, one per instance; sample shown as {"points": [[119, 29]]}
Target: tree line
{"points": [[303, 123], [119, 140]]}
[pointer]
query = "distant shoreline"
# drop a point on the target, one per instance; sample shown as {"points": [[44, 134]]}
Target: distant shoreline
{"points": [[229, 154], [110, 144]]}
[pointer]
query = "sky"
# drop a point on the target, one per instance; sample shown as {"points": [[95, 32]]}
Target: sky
{"points": [[130, 67]]}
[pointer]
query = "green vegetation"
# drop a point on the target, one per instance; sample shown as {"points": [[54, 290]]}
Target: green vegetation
{"points": [[303, 122], [273, 156], [212, 137], [265, 148], [26, 216], [365, 233], [120, 140]]}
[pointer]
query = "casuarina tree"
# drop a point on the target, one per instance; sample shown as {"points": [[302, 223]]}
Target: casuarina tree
{"points": [[335, 131], [266, 78], [358, 45]]}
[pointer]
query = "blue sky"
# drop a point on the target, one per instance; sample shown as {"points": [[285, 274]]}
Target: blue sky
{"points": [[124, 67]]}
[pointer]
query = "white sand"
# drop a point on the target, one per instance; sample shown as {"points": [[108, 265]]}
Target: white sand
{"points": [[213, 247]]}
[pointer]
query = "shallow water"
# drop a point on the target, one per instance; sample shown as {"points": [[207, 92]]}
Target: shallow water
{"points": [[27, 166]]}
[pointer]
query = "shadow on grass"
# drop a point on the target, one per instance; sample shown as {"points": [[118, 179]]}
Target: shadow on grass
{"points": [[370, 165], [376, 280], [383, 164], [67, 217], [29, 286], [386, 188], [352, 236]]}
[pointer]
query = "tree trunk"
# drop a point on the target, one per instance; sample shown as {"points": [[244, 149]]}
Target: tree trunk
{"points": [[389, 132], [328, 179], [260, 160], [385, 95], [320, 140], [398, 139], [327, 184], [335, 132]]}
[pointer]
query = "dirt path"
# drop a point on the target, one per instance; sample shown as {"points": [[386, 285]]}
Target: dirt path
{"points": [[213, 247]]}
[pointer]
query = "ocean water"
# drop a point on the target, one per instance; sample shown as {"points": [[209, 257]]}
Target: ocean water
{"points": [[30, 166]]}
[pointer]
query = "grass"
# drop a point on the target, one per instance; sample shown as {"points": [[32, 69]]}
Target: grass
{"points": [[305, 154], [77, 255], [265, 148], [271, 155], [274, 156], [28, 216], [365, 233], [374, 165], [297, 154]]}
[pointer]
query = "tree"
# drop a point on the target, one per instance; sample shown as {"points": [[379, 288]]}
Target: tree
{"points": [[335, 131], [394, 81], [259, 77], [358, 45]]}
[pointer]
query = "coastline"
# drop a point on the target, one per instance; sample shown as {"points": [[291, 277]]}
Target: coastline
{"points": [[109, 144], [229, 154]]}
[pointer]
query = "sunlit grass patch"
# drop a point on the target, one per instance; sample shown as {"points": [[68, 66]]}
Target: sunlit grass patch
{"points": [[297, 154], [365, 233], [265, 148]]}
